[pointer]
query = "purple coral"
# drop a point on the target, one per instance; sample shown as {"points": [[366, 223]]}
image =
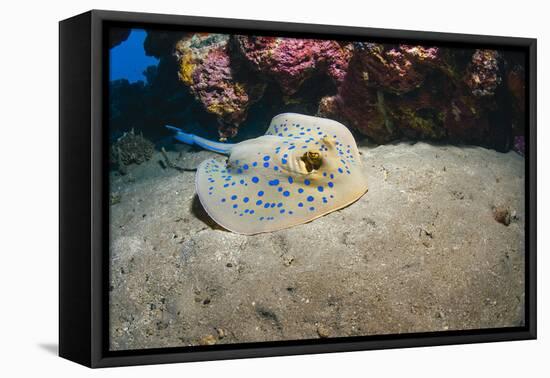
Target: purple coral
{"points": [[291, 61], [519, 144]]}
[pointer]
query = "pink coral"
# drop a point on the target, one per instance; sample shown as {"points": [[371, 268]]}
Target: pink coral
{"points": [[374, 75], [291, 61], [206, 67]]}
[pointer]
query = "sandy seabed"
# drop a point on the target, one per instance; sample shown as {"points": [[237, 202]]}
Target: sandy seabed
{"points": [[421, 251]]}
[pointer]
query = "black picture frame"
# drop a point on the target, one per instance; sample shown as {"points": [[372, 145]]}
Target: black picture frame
{"points": [[83, 196]]}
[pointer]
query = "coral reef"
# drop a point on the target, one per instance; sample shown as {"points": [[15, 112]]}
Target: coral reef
{"points": [[131, 148], [397, 69], [205, 66], [375, 76], [291, 61], [231, 83], [482, 76], [417, 92]]}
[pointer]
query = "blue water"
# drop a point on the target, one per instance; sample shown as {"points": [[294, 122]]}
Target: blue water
{"points": [[128, 60]]}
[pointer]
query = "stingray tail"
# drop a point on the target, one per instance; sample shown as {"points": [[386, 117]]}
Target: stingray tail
{"points": [[191, 139]]}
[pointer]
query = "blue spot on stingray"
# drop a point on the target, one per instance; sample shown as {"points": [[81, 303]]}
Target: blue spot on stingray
{"points": [[266, 164], [330, 184], [239, 171], [246, 211], [225, 185], [290, 180], [266, 158], [261, 218], [266, 205], [324, 174], [245, 199], [300, 204], [310, 198], [284, 161], [291, 212], [274, 182], [331, 176], [280, 189], [245, 167], [223, 199], [251, 211], [286, 193], [307, 182], [260, 193], [273, 205], [235, 206], [275, 168], [340, 170], [291, 147], [300, 190], [282, 211], [280, 204], [254, 164], [311, 208], [259, 202], [233, 197], [255, 180], [320, 188]]}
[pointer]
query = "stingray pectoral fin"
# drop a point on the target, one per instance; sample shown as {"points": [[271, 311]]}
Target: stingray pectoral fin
{"points": [[191, 139]]}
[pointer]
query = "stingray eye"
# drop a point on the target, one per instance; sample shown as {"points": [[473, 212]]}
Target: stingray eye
{"points": [[313, 160]]}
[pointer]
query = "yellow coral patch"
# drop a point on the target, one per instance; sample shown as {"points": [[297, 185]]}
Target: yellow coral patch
{"points": [[220, 109], [187, 67]]}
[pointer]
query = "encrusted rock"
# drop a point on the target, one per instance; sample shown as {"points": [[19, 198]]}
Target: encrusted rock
{"points": [[206, 67], [208, 340], [323, 331], [482, 76], [502, 215], [131, 148], [291, 61], [397, 69]]}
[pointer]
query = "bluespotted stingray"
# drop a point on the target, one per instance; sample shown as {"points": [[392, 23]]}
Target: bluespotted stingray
{"points": [[304, 167]]}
